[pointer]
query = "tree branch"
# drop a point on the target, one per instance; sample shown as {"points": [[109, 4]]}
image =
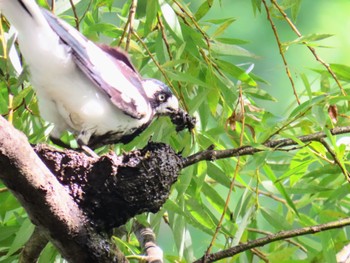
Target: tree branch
{"points": [[210, 154], [33, 247], [147, 240], [272, 238], [48, 203]]}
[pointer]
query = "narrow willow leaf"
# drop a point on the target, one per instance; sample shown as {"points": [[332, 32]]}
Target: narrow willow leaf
{"points": [[184, 77], [306, 84], [214, 198], [328, 249], [231, 41], [258, 93], [342, 71], [256, 4], [295, 9], [3, 105], [151, 15], [305, 106], [276, 220], [280, 187], [325, 83], [243, 224], [308, 38], [200, 214], [203, 9], [223, 27], [230, 50], [18, 99], [22, 236], [236, 72], [171, 19]]}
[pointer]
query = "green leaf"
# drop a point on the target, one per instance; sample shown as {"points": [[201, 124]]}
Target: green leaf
{"points": [[203, 9], [305, 106], [236, 72], [258, 93], [295, 9], [187, 78], [22, 236], [223, 27], [18, 99], [230, 50], [307, 39], [215, 198], [3, 104], [243, 224], [151, 15], [280, 187], [171, 19], [328, 249], [342, 71], [231, 41], [276, 220]]}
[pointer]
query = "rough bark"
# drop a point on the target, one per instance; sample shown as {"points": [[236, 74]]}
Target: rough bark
{"points": [[48, 203]]}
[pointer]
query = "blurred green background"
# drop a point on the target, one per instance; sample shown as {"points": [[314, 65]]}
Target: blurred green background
{"points": [[322, 16]]}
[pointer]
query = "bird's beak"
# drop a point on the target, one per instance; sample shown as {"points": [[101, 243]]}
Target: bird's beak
{"points": [[169, 107], [172, 105]]}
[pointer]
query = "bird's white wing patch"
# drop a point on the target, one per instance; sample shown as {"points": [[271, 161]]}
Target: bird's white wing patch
{"points": [[118, 80]]}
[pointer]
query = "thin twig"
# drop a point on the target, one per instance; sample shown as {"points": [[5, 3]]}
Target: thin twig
{"points": [[162, 30], [301, 247], [274, 237], [336, 159], [207, 40], [313, 51], [260, 254], [210, 154], [155, 62], [280, 47], [130, 22], [76, 17], [232, 184]]}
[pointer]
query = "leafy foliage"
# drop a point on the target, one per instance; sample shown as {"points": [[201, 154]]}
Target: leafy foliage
{"points": [[224, 202]]}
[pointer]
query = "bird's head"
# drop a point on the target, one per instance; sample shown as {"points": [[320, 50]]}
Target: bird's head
{"points": [[162, 100]]}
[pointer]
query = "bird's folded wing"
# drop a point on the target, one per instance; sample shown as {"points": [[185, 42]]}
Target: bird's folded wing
{"points": [[110, 70]]}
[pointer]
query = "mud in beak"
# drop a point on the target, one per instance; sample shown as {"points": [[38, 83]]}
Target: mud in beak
{"points": [[182, 120]]}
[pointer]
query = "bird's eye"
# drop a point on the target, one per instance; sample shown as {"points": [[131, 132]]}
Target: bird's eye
{"points": [[161, 97]]}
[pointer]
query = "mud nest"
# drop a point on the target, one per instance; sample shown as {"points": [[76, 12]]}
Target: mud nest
{"points": [[112, 189]]}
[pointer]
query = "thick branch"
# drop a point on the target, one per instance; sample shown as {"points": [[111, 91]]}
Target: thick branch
{"points": [[48, 203], [33, 247], [210, 154], [274, 237], [147, 240]]}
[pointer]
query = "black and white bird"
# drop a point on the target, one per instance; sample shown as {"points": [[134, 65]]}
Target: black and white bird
{"points": [[92, 90]]}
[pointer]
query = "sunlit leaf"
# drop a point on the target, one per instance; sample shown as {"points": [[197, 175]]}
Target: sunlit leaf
{"points": [[171, 19]]}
